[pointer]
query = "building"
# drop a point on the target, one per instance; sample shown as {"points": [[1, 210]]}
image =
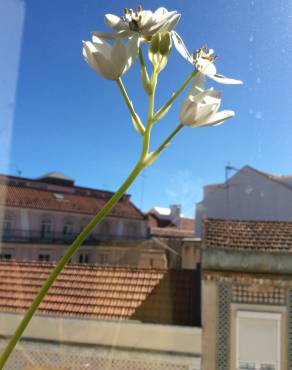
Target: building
{"points": [[176, 233], [246, 295], [170, 223], [40, 217], [102, 317], [248, 195]]}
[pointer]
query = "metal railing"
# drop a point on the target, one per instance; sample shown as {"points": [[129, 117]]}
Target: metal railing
{"points": [[39, 236]]}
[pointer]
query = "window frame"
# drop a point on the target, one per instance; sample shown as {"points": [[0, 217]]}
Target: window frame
{"points": [[263, 315]]}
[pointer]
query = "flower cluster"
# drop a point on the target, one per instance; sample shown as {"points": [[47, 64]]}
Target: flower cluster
{"points": [[111, 56]]}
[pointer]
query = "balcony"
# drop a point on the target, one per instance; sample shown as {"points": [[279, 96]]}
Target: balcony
{"points": [[38, 236]]}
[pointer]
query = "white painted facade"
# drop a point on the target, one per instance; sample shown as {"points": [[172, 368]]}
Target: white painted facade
{"points": [[248, 195]]}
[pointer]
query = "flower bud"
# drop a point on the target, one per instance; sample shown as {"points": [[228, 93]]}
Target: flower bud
{"points": [[159, 49], [165, 44], [154, 44]]}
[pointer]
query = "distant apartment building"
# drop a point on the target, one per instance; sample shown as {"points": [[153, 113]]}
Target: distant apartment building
{"points": [[249, 194], [40, 217], [246, 295]]}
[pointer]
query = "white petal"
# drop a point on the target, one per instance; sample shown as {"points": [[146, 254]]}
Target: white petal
{"points": [[206, 67], [198, 84], [88, 50], [207, 97], [105, 67], [113, 35], [217, 118], [159, 13], [119, 57], [225, 80], [163, 23], [102, 46], [146, 18], [171, 23], [115, 22], [132, 52], [188, 112], [180, 46]]}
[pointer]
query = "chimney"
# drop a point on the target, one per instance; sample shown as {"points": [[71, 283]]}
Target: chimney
{"points": [[175, 211]]}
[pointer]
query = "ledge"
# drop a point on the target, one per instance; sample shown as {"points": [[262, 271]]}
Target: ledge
{"points": [[247, 261]]}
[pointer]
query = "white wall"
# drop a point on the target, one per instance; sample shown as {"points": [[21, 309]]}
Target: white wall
{"points": [[248, 196]]}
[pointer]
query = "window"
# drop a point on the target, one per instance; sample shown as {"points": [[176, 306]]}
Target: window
{"points": [[104, 230], [68, 229], [44, 257], [132, 229], [6, 227], [84, 258], [46, 229], [103, 258], [258, 340], [5, 256]]}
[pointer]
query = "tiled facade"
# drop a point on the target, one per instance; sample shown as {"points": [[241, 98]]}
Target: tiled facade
{"points": [[250, 288]]}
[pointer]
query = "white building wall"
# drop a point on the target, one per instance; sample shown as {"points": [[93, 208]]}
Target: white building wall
{"points": [[248, 195]]}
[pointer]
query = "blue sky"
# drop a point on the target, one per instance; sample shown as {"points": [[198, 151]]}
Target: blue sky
{"points": [[69, 119]]}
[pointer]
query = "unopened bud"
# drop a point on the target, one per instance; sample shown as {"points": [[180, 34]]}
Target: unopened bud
{"points": [[165, 44], [154, 44]]}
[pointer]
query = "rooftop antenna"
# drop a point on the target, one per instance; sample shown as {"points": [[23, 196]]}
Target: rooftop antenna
{"points": [[228, 169], [18, 170]]}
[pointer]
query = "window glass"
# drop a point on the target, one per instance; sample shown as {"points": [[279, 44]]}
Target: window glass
{"points": [[258, 340]]}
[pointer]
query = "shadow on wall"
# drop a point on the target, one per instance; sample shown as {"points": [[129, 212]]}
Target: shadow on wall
{"points": [[175, 300]]}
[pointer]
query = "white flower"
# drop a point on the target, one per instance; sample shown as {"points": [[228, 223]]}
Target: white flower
{"points": [[142, 22], [110, 61], [200, 108], [203, 60]]}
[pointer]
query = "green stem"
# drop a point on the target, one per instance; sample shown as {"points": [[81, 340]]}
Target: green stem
{"points": [[60, 265], [168, 139], [144, 74], [150, 121], [152, 156], [166, 106], [138, 124]]}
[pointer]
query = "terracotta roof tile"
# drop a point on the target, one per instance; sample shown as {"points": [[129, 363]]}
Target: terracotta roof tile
{"points": [[159, 296], [171, 232], [248, 235], [27, 197], [165, 227]]}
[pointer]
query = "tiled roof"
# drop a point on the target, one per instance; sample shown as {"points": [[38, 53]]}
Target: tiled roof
{"points": [[248, 235], [27, 197], [165, 228], [187, 223], [171, 232], [98, 292]]}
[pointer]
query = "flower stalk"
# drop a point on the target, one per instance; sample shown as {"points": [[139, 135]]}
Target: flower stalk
{"points": [[142, 163], [111, 61], [135, 118], [163, 110]]}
